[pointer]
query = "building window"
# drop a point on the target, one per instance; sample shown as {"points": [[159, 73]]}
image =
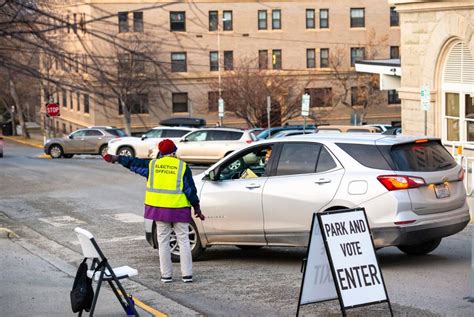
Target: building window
{"points": [[357, 54], [324, 18], [64, 93], [228, 60], [310, 58], [123, 22], [64, 128], [213, 20], [276, 19], [180, 102], [394, 52], [137, 21], [86, 103], [212, 99], [178, 62], [324, 57], [136, 104], [178, 21], [262, 59], [262, 19], [357, 18], [214, 61], [78, 97], [71, 101], [357, 96], [227, 19], [319, 97], [393, 97], [394, 18], [310, 22], [276, 59], [138, 61]]}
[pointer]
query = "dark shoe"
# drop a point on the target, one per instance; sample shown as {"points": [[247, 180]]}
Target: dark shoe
{"points": [[188, 279], [166, 279]]}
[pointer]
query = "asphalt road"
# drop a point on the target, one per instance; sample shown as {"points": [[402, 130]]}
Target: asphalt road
{"points": [[51, 197]]}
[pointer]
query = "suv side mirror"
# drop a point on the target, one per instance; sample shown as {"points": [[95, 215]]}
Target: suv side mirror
{"points": [[71, 136], [144, 137], [211, 175]]}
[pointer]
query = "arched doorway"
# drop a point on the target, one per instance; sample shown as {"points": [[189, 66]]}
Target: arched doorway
{"points": [[458, 95]]}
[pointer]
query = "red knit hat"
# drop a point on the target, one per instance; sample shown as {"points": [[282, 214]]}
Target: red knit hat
{"points": [[167, 147]]}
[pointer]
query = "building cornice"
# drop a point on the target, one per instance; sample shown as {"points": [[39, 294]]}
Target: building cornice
{"points": [[429, 5]]}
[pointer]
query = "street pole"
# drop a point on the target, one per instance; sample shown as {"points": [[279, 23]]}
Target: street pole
{"points": [[13, 121], [269, 109], [219, 63]]}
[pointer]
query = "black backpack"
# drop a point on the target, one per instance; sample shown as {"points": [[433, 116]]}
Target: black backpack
{"points": [[82, 293]]}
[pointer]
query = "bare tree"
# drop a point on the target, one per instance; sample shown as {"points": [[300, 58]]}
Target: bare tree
{"points": [[354, 90], [245, 91]]}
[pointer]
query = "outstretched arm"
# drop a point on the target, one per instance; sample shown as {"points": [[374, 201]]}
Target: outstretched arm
{"points": [[136, 165]]}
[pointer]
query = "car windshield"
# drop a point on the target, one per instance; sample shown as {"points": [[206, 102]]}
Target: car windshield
{"points": [[116, 132]]}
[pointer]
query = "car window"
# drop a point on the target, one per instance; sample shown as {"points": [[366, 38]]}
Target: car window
{"points": [[224, 135], [174, 133], [116, 132], [421, 157], [325, 161], [250, 164], [93, 133], [368, 155], [359, 130], [78, 134], [298, 158], [197, 136], [154, 133]]}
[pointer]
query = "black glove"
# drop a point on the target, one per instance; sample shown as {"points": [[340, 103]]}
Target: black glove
{"points": [[198, 212]]}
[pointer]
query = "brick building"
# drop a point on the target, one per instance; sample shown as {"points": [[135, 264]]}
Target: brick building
{"points": [[196, 42]]}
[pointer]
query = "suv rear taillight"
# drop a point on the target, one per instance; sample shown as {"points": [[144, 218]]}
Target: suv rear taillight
{"points": [[249, 141], [396, 182]]}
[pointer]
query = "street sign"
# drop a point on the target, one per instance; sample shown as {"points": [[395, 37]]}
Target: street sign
{"points": [[52, 109], [425, 98], [221, 107], [305, 105]]}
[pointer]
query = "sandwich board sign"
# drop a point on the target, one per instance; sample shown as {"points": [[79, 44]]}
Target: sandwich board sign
{"points": [[348, 256]]}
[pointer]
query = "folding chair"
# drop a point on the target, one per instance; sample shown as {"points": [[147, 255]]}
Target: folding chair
{"points": [[102, 271]]}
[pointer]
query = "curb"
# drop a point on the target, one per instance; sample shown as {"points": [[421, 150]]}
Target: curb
{"points": [[23, 141]]}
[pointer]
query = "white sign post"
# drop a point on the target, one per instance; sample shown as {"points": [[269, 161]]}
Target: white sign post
{"points": [[425, 97], [348, 256], [305, 109], [221, 109]]}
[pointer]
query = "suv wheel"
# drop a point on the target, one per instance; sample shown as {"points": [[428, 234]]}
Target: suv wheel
{"points": [[420, 249], [103, 150], [126, 151], [56, 151]]}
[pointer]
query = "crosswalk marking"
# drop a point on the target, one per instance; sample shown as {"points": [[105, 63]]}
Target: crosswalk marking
{"points": [[60, 221], [128, 217], [113, 240]]}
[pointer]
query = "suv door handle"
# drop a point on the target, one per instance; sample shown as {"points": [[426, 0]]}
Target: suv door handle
{"points": [[253, 186], [322, 181]]}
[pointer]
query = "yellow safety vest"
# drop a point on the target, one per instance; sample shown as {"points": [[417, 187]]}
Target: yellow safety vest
{"points": [[164, 187]]}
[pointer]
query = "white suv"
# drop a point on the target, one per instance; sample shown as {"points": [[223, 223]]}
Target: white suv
{"points": [[142, 147]]}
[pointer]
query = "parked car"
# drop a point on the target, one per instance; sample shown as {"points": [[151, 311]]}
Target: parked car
{"points": [[209, 145], [140, 147], [411, 189], [1, 146], [347, 129], [285, 133], [393, 131], [382, 127], [82, 141], [269, 132]]}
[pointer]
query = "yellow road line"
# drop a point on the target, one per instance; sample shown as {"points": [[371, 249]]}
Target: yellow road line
{"points": [[149, 309], [9, 233], [44, 156], [23, 141]]}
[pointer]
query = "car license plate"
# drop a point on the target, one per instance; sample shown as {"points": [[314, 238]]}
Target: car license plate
{"points": [[441, 190]]}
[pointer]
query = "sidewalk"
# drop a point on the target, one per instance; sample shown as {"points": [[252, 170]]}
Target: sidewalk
{"points": [[32, 286]]}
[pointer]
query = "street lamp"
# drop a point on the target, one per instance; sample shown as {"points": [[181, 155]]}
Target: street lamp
{"points": [[220, 101]]}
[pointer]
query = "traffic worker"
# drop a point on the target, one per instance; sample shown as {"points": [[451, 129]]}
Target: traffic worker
{"points": [[170, 193]]}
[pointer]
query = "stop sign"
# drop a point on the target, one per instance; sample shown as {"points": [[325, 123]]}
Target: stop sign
{"points": [[52, 109]]}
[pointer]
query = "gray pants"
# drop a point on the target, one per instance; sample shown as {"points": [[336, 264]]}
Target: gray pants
{"points": [[181, 230]]}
